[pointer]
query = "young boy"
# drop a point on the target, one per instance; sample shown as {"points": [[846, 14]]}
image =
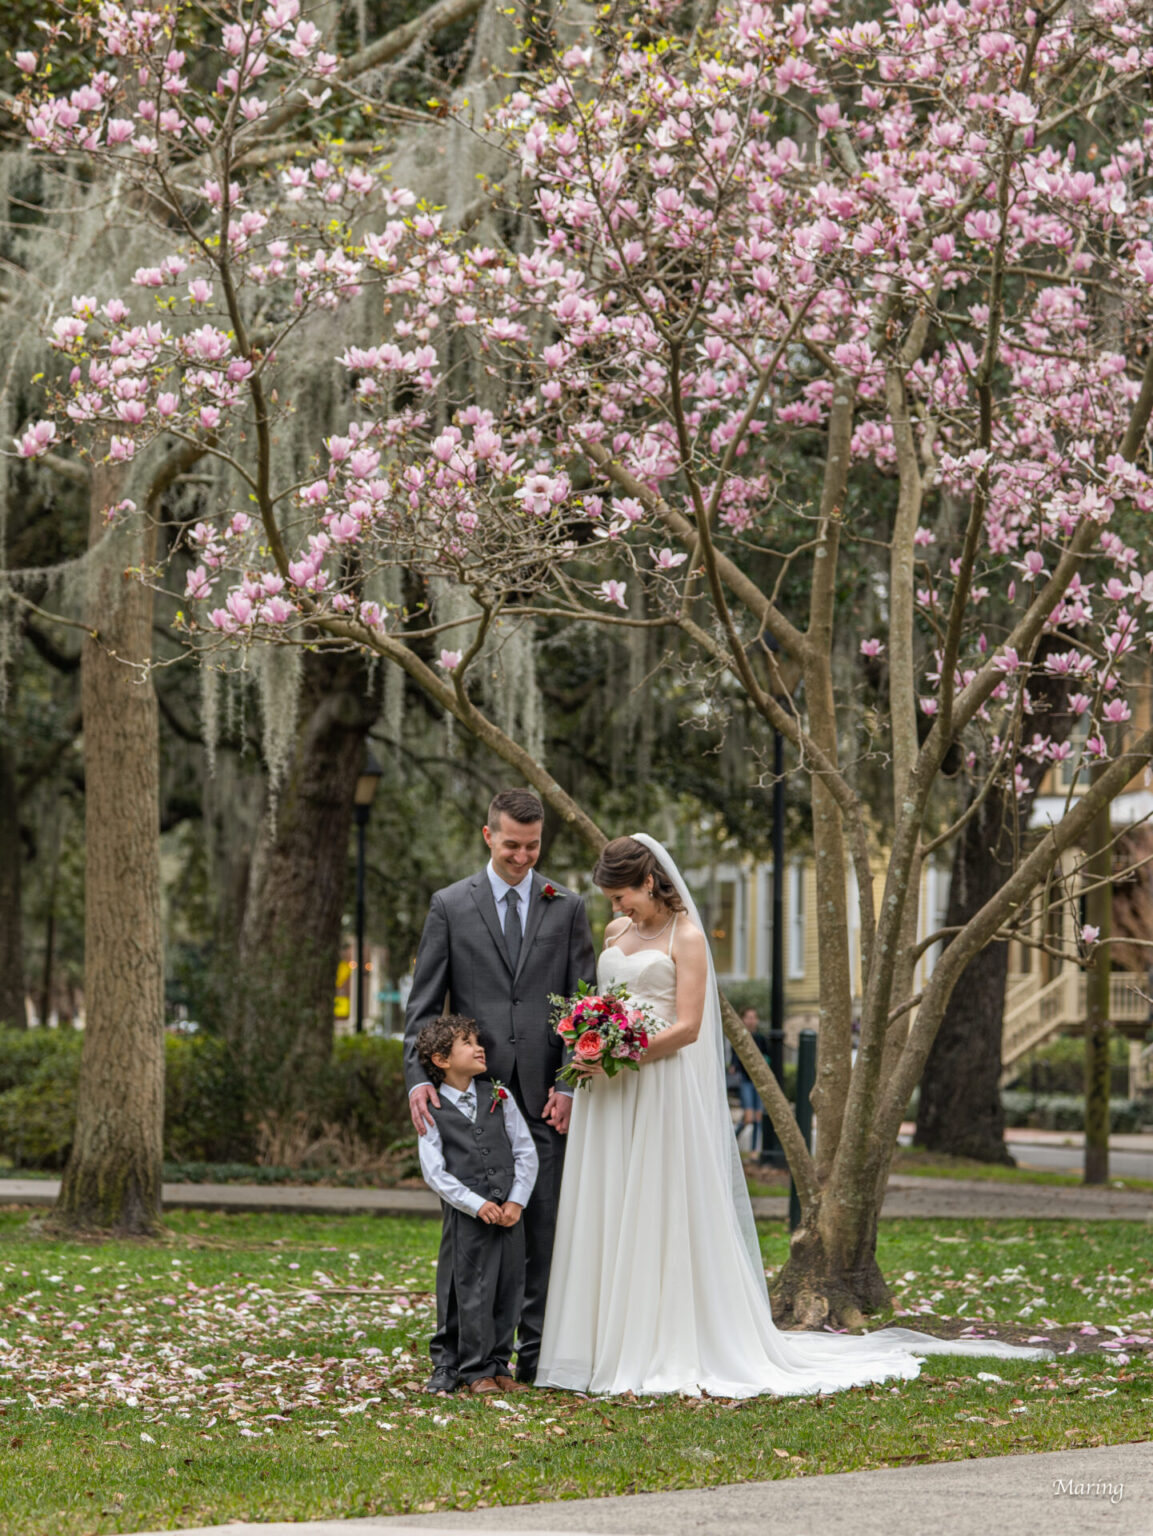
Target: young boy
{"points": [[480, 1159]]}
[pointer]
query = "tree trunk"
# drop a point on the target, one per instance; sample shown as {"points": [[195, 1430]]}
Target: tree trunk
{"points": [[832, 1275], [290, 940], [112, 1181], [960, 1109], [12, 1012]]}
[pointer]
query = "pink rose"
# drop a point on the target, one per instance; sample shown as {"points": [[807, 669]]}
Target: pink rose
{"points": [[589, 1046]]}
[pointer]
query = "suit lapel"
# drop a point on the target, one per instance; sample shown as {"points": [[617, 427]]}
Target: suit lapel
{"points": [[536, 906], [486, 905]]}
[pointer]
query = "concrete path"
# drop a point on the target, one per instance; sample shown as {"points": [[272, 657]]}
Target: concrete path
{"points": [[907, 1196], [1060, 1493]]}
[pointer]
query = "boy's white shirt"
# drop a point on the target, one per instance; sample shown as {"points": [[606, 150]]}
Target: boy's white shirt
{"points": [[449, 1187]]}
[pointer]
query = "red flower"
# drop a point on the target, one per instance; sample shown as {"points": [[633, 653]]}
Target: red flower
{"points": [[499, 1094], [549, 892]]}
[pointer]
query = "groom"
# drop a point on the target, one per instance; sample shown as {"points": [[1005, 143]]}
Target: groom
{"points": [[494, 946]]}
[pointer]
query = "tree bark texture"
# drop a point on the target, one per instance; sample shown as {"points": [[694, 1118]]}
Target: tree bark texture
{"points": [[113, 1177], [290, 940], [12, 1012], [832, 1275], [960, 1111]]}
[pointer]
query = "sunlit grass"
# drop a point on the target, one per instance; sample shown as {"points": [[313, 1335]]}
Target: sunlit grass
{"points": [[269, 1366]]}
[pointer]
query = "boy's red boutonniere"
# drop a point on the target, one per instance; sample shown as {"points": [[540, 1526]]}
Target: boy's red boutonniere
{"points": [[499, 1094], [549, 892]]}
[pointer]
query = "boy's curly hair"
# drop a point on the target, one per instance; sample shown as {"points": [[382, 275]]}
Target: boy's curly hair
{"points": [[437, 1037]]}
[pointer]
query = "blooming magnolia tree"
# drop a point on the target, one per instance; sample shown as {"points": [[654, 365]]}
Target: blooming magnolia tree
{"points": [[914, 246]]}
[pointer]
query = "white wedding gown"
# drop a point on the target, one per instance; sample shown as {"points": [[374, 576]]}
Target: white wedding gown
{"points": [[653, 1287]]}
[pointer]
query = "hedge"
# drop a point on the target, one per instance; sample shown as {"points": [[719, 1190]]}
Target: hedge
{"points": [[1066, 1112], [208, 1118]]}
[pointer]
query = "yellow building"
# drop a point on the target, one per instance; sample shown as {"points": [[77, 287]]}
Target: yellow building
{"points": [[736, 902]]}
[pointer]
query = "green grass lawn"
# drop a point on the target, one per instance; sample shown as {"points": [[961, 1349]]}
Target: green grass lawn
{"points": [[268, 1366]]}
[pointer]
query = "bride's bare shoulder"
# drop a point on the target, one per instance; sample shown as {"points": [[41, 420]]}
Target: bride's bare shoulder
{"points": [[614, 929], [689, 940]]}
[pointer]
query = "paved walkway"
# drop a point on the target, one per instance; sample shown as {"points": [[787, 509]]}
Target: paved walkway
{"points": [[1059, 1493], [907, 1196]]}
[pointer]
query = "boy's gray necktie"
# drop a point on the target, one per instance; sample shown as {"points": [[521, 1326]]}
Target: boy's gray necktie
{"points": [[512, 933], [467, 1104]]}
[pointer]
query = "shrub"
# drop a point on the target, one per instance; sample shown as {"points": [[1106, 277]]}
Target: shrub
{"points": [[364, 1091], [751, 994], [1058, 1066], [1066, 1112], [204, 1115], [355, 1116], [38, 1074]]}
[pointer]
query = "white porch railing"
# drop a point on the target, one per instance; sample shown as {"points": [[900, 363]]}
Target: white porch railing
{"points": [[1032, 1017]]}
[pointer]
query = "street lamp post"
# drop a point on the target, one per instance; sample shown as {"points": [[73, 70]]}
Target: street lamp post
{"points": [[762, 651], [771, 1150], [362, 804]]}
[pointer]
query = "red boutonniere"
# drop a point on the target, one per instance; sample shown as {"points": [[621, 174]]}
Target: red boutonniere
{"points": [[499, 1094], [549, 892]]}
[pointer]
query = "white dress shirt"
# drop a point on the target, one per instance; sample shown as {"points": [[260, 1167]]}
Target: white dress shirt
{"points": [[448, 1186], [501, 888]]}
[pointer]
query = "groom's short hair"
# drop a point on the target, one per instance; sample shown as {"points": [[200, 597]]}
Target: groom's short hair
{"points": [[519, 804]]}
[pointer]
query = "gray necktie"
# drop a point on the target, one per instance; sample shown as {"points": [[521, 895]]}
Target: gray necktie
{"points": [[512, 933], [467, 1105]]}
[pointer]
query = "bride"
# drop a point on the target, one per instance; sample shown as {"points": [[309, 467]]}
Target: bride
{"points": [[657, 1281]]}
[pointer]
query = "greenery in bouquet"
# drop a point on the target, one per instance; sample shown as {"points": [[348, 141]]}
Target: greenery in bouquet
{"points": [[602, 1029]]}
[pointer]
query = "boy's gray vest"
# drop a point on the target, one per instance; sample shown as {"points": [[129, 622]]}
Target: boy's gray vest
{"points": [[478, 1153]]}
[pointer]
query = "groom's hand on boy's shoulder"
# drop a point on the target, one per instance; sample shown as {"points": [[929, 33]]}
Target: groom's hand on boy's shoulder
{"points": [[418, 1101]]}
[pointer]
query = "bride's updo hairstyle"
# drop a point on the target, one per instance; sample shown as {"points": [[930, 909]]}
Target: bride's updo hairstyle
{"points": [[625, 864]]}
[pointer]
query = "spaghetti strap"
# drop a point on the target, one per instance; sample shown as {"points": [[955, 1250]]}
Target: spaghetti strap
{"points": [[672, 935]]}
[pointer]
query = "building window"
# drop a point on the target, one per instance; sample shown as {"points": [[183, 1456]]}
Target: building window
{"points": [[796, 920], [722, 933]]}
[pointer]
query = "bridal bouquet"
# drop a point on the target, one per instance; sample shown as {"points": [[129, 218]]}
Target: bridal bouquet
{"points": [[605, 1029]]}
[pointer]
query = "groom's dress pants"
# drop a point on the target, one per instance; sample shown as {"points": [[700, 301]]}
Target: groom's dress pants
{"points": [[539, 1232]]}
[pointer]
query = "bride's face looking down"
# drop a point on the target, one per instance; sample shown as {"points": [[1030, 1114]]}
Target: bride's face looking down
{"points": [[637, 902]]}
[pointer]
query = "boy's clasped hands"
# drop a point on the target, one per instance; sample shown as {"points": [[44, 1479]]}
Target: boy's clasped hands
{"points": [[506, 1215]]}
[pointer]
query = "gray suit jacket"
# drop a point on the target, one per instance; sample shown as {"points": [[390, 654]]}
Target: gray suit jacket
{"points": [[462, 966]]}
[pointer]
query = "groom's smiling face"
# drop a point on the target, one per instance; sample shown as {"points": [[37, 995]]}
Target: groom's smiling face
{"points": [[514, 845]]}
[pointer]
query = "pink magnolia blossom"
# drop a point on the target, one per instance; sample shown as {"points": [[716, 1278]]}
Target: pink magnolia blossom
{"points": [[37, 440]]}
